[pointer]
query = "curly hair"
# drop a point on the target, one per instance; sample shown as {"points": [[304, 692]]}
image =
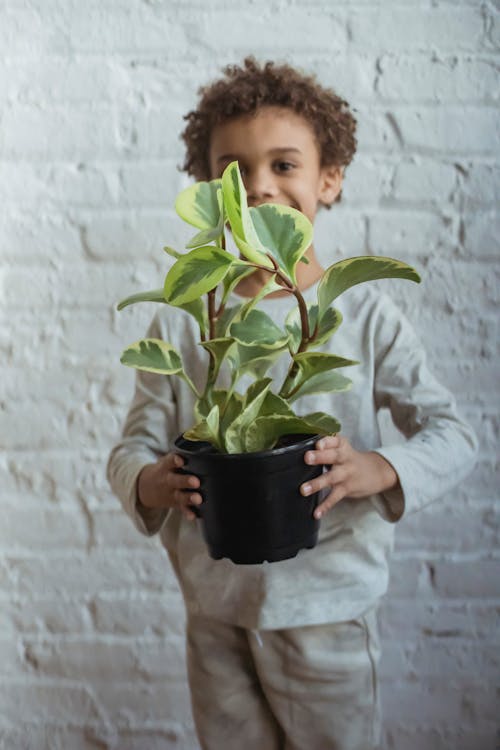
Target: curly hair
{"points": [[245, 89]]}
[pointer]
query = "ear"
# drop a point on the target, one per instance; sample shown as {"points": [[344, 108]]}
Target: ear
{"points": [[330, 184]]}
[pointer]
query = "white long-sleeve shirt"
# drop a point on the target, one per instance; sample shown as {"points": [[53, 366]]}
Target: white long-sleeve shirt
{"points": [[347, 572]]}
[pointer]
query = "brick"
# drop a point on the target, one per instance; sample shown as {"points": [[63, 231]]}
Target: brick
{"points": [[424, 182], [415, 28], [145, 704], [434, 78], [42, 615], [449, 129], [25, 230], [140, 613], [468, 579], [399, 233], [415, 739], [28, 133], [60, 703], [99, 571], [481, 184], [408, 621], [39, 530], [317, 31], [450, 530], [366, 182], [480, 234], [127, 236]]}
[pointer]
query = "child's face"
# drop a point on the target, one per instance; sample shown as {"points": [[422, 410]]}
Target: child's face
{"points": [[279, 160]]}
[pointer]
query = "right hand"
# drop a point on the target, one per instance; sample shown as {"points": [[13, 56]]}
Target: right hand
{"points": [[161, 485]]}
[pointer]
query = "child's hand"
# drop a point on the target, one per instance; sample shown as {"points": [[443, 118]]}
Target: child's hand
{"points": [[160, 485], [352, 473]]}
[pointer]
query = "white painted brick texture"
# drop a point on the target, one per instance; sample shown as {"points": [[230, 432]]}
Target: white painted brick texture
{"points": [[91, 102]]}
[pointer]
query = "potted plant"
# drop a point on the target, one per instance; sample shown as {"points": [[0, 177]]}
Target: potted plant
{"points": [[247, 447]]}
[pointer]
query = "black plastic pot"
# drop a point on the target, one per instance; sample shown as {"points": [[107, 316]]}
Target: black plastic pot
{"points": [[252, 508]]}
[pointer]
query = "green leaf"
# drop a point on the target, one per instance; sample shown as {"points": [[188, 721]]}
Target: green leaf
{"points": [[324, 382], [258, 329], [329, 323], [310, 365], [238, 214], [284, 232], [268, 288], [198, 310], [205, 237], [253, 359], [195, 274], [254, 398], [153, 355], [228, 316], [200, 205], [347, 273], [155, 295], [172, 252], [238, 271], [219, 349], [204, 405], [265, 431], [274, 404], [207, 430]]}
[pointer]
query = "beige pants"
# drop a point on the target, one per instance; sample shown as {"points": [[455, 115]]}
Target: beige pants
{"points": [[310, 688]]}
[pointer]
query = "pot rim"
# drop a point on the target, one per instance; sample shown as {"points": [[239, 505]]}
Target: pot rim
{"points": [[208, 449]]}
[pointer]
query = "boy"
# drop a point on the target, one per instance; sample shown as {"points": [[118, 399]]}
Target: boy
{"points": [[284, 655]]}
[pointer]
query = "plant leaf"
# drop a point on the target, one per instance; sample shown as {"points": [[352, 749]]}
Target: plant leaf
{"points": [[312, 364], [258, 329], [219, 349], [153, 355], [265, 431], [269, 287], [329, 323], [254, 398], [198, 310], [200, 205], [274, 404], [285, 233], [324, 382], [238, 214], [236, 273], [253, 359], [207, 430], [170, 251], [196, 273], [155, 295], [347, 273], [225, 319]]}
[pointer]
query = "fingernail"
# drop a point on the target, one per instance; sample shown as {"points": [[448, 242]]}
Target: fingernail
{"points": [[195, 499], [310, 457], [306, 489], [317, 514], [178, 461], [320, 444]]}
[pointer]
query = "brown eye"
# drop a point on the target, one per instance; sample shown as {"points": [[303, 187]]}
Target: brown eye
{"points": [[284, 166]]}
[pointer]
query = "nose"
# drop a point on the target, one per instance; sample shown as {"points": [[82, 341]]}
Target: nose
{"points": [[260, 186]]}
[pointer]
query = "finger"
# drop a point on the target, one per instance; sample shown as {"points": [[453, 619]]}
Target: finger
{"points": [[335, 496], [328, 457], [328, 479], [184, 499], [178, 481], [328, 441]]}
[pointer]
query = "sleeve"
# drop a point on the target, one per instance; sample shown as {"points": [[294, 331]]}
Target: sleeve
{"points": [[440, 448], [147, 435]]}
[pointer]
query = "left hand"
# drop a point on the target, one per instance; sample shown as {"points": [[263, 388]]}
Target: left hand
{"points": [[352, 473]]}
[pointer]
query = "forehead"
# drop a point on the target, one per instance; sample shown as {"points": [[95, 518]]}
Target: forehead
{"points": [[268, 129]]}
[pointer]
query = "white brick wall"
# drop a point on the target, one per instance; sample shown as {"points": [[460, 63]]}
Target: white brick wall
{"points": [[92, 97]]}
